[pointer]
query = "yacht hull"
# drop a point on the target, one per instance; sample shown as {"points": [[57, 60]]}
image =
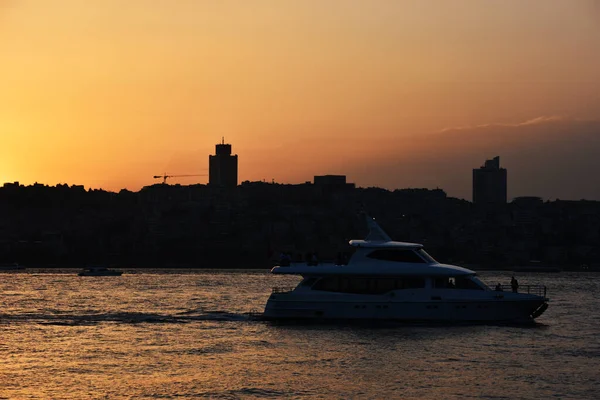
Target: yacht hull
{"points": [[522, 310]]}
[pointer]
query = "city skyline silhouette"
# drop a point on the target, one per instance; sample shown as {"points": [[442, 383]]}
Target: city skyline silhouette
{"points": [[391, 94]]}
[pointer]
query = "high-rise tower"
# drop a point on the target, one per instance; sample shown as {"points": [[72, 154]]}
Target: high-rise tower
{"points": [[489, 184], [223, 167]]}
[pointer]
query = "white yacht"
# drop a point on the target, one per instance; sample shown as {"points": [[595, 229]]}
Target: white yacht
{"points": [[388, 280], [99, 271]]}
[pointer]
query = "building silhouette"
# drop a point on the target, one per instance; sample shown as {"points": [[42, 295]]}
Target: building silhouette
{"points": [[333, 181], [489, 184], [223, 167]]}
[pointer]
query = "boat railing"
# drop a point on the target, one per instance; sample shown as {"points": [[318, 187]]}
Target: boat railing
{"points": [[538, 290], [282, 289]]}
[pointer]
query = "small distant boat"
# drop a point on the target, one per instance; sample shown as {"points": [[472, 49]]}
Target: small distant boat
{"points": [[99, 271], [11, 267]]}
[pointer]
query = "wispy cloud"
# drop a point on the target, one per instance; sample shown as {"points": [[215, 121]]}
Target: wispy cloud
{"points": [[533, 121]]}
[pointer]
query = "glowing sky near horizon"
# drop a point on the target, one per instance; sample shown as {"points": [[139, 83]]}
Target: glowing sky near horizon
{"points": [[108, 93]]}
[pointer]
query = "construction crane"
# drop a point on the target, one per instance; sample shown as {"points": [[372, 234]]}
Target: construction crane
{"points": [[164, 177]]}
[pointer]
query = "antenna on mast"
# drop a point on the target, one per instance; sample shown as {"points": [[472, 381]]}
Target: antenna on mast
{"points": [[375, 231]]}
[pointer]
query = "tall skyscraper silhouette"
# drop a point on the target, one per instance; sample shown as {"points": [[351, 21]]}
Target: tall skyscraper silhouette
{"points": [[223, 167], [490, 184]]}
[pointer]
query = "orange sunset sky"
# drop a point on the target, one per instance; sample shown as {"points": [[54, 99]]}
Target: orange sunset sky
{"points": [[392, 93]]}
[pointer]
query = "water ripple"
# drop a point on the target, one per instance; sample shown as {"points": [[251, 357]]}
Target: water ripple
{"points": [[192, 335], [60, 318]]}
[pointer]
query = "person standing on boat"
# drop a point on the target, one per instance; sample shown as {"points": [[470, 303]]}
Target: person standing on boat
{"points": [[514, 284]]}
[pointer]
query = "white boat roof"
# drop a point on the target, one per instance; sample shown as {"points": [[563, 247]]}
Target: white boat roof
{"points": [[361, 264], [384, 244], [381, 269]]}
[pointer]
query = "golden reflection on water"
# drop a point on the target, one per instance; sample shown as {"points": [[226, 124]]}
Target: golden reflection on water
{"points": [[187, 335]]}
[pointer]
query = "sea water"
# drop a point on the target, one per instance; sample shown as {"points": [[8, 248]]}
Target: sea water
{"points": [[187, 334]]}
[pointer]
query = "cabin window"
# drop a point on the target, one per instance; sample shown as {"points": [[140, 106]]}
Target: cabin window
{"points": [[467, 283], [382, 285], [328, 284], [410, 283], [456, 283], [357, 285], [443, 283], [396, 255], [364, 285]]}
